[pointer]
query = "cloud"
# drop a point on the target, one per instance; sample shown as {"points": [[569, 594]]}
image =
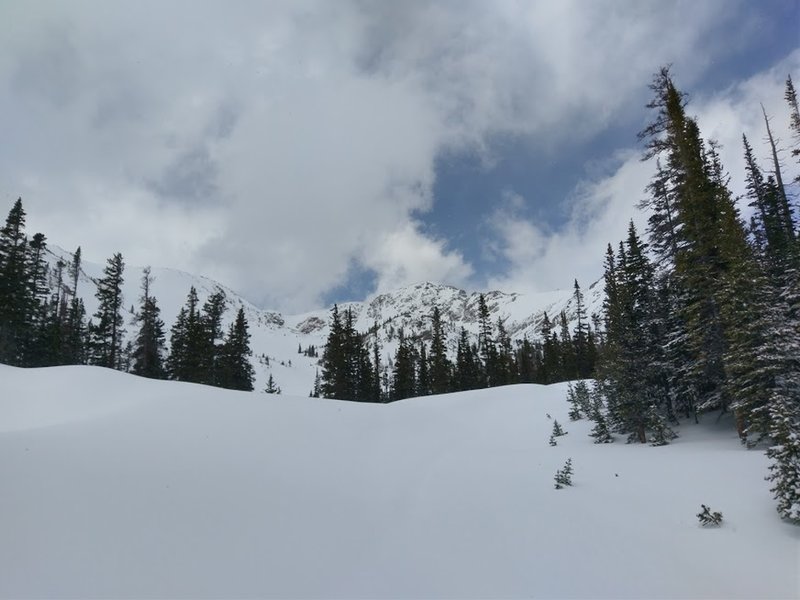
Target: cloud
{"points": [[274, 145], [601, 208]]}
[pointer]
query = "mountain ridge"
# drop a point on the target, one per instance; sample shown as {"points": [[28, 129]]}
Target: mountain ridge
{"points": [[276, 336]]}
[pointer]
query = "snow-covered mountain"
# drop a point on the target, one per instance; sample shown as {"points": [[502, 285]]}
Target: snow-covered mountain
{"points": [[276, 337]]}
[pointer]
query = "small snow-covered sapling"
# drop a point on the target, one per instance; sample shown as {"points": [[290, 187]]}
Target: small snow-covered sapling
{"points": [[706, 517], [564, 476]]}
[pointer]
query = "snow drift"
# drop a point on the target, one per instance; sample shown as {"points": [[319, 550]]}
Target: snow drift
{"points": [[116, 486]]}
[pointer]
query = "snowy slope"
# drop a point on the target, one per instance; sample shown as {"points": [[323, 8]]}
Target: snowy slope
{"points": [[276, 336], [116, 486]]}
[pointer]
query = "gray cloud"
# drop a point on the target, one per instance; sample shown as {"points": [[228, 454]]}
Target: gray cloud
{"points": [[275, 144]]}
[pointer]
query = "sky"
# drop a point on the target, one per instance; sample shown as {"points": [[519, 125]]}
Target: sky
{"points": [[305, 153]]}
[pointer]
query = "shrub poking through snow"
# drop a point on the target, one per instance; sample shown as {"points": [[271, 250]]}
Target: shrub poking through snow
{"points": [[564, 475], [553, 440], [706, 517], [557, 429]]}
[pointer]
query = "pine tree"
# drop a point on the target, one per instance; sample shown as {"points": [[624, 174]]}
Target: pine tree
{"points": [[439, 363], [423, 374], [661, 433], [584, 364], [403, 376], [272, 387], [211, 342], [794, 118], [16, 301], [600, 432], [564, 475], [187, 343], [551, 353], [334, 360], [41, 316], [568, 367], [574, 406], [235, 370], [74, 345], [107, 332], [148, 348], [785, 456], [467, 375], [486, 345]]}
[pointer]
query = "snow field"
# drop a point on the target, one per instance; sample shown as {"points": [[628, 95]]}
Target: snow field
{"points": [[115, 486]]}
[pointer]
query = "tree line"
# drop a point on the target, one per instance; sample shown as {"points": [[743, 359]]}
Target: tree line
{"points": [[422, 365], [43, 320], [704, 313]]}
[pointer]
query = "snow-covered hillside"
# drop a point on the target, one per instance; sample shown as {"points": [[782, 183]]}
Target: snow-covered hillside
{"points": [[276, 337], [116, 486]]}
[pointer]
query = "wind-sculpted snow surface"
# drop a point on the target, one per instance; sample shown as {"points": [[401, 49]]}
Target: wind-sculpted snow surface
{"points": [[115, 486]]}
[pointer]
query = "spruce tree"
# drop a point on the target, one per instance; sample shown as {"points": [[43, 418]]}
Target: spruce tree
{"points": [[187, 343], [784, 454], [212, 341], [584, 363], [74, 345], [334, 360], [404, 383], [272, 387], [486, 345], [107, 332], [16, 299], [439, 363], [467, 372], [794, 118], [148, 348], [235, 370]]}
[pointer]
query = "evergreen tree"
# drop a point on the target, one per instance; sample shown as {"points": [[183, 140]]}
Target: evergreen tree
{"points": [[504, 367], [785, 456], [16, 301], [376, 394], [235, 370], [187, 343], [486, 345], [42, 315], [404, 382], [551, 353], [574, 406], [584, 363], [107, 332], [439, 363], [794, 118], [564, 475], [272, 387], [74, 345], [148, 348], [467, 372], [567, 368], [600, 432], [423, 374], [212, 342], [334, 360]]}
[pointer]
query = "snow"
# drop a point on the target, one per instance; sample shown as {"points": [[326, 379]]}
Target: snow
{"points": [[277, 336], [116, 486]]}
